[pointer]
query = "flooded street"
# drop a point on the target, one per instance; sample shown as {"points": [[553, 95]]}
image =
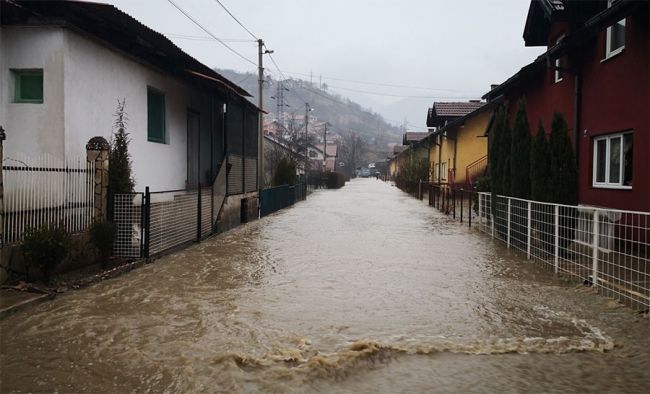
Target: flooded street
{"points": [[362, 289]]}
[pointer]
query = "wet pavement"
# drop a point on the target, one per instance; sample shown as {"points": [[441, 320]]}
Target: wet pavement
{"points": [[362, 289]]}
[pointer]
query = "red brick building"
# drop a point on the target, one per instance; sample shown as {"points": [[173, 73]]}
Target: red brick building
{"points": [[596, 71]]}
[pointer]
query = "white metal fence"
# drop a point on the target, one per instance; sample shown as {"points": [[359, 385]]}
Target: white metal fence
{"points": [[606, 248], [46, 190], [128, 217], [173, 219]]}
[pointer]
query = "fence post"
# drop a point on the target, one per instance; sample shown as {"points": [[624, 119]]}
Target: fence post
{"points": [[3, 136], [508, 222], [461, 205], [147, 221], [97, 150], [480, 210], [198, 214], [528, 233], [557, 238], [469, 211], [453, 201], [594, 274], [492, 205]]}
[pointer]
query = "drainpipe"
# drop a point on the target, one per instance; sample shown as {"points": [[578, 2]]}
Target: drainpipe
{"points": [[577, 113]]}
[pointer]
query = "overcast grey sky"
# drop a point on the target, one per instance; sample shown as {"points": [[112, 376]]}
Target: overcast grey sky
{"points": [[441, 48]]}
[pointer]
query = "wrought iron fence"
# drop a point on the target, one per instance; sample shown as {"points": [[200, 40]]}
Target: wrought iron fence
{"points": [[46, 190]]}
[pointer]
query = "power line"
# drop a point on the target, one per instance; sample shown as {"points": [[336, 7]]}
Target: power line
{"points": [[386, 84], [397, 95], [237, 20], [284, 78], [210, 33], [204, 38]]}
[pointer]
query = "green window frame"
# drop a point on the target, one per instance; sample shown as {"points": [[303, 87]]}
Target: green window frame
{"points": [[155, 115], [28, 86]]}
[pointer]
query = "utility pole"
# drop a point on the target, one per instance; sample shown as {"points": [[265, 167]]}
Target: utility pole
{"points": [[325, 147], [260, 119], [307, 109]]}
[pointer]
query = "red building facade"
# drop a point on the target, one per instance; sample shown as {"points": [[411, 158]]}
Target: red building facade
{"points": [[596, 72]]}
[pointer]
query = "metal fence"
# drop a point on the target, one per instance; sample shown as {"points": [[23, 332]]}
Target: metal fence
{"points": [[46, 190], [129, 216], [606, 248], [151, 223], [275, 198]]}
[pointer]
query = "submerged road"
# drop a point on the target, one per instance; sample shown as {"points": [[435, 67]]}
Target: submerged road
{"points": [[362, 289]]}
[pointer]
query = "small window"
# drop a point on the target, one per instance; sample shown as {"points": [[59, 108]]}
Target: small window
{"points": [[312, 153], [443, 171], [558, 62], [615, 40], [155, 116], [612, 165], [28, 86]]}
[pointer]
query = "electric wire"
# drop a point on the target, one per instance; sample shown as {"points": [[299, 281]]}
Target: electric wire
{"points": [[204, 38], [210, 33], [236, 20], [385, 84]]}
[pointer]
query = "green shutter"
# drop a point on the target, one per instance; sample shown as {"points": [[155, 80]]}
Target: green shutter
{"points": [[28, 86], [155, 116]]}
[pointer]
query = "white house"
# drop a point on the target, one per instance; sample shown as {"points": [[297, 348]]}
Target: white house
{"points": [[65, 64]]}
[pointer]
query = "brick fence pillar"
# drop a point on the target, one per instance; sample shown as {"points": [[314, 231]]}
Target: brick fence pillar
{"points": [[97, 150]]}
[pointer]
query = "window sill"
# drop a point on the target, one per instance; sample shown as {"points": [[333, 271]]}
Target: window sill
{"points": [[613, 54], [156, 141], [559, 80], [28, 101], [615, 187]]}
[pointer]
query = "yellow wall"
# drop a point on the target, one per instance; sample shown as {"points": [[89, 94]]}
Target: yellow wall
{"points": [[471, 146]]}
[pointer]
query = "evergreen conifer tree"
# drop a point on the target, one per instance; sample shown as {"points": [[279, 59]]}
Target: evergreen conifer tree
{"points": [[564, 172], [520, 154], [120, 175], [540, 167]]}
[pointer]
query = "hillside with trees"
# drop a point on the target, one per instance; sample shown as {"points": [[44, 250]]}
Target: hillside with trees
{"points": [[370, 132]]}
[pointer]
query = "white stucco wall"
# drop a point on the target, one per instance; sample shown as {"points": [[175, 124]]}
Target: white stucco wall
{"points": [[33, 128], [83, 80], [96, 77]]}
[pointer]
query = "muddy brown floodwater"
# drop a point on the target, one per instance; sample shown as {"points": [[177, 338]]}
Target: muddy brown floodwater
{"points": [[362, 289]]}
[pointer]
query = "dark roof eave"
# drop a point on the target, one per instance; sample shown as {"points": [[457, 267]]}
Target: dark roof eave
{"points": [[592, 26]]}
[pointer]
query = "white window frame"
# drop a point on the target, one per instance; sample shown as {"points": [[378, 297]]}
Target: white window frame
{"points": [[558, 62], [607, 184], [608, 40], [443, 171]]}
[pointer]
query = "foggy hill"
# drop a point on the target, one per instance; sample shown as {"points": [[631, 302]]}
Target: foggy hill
{"points": [[344, 115]]}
